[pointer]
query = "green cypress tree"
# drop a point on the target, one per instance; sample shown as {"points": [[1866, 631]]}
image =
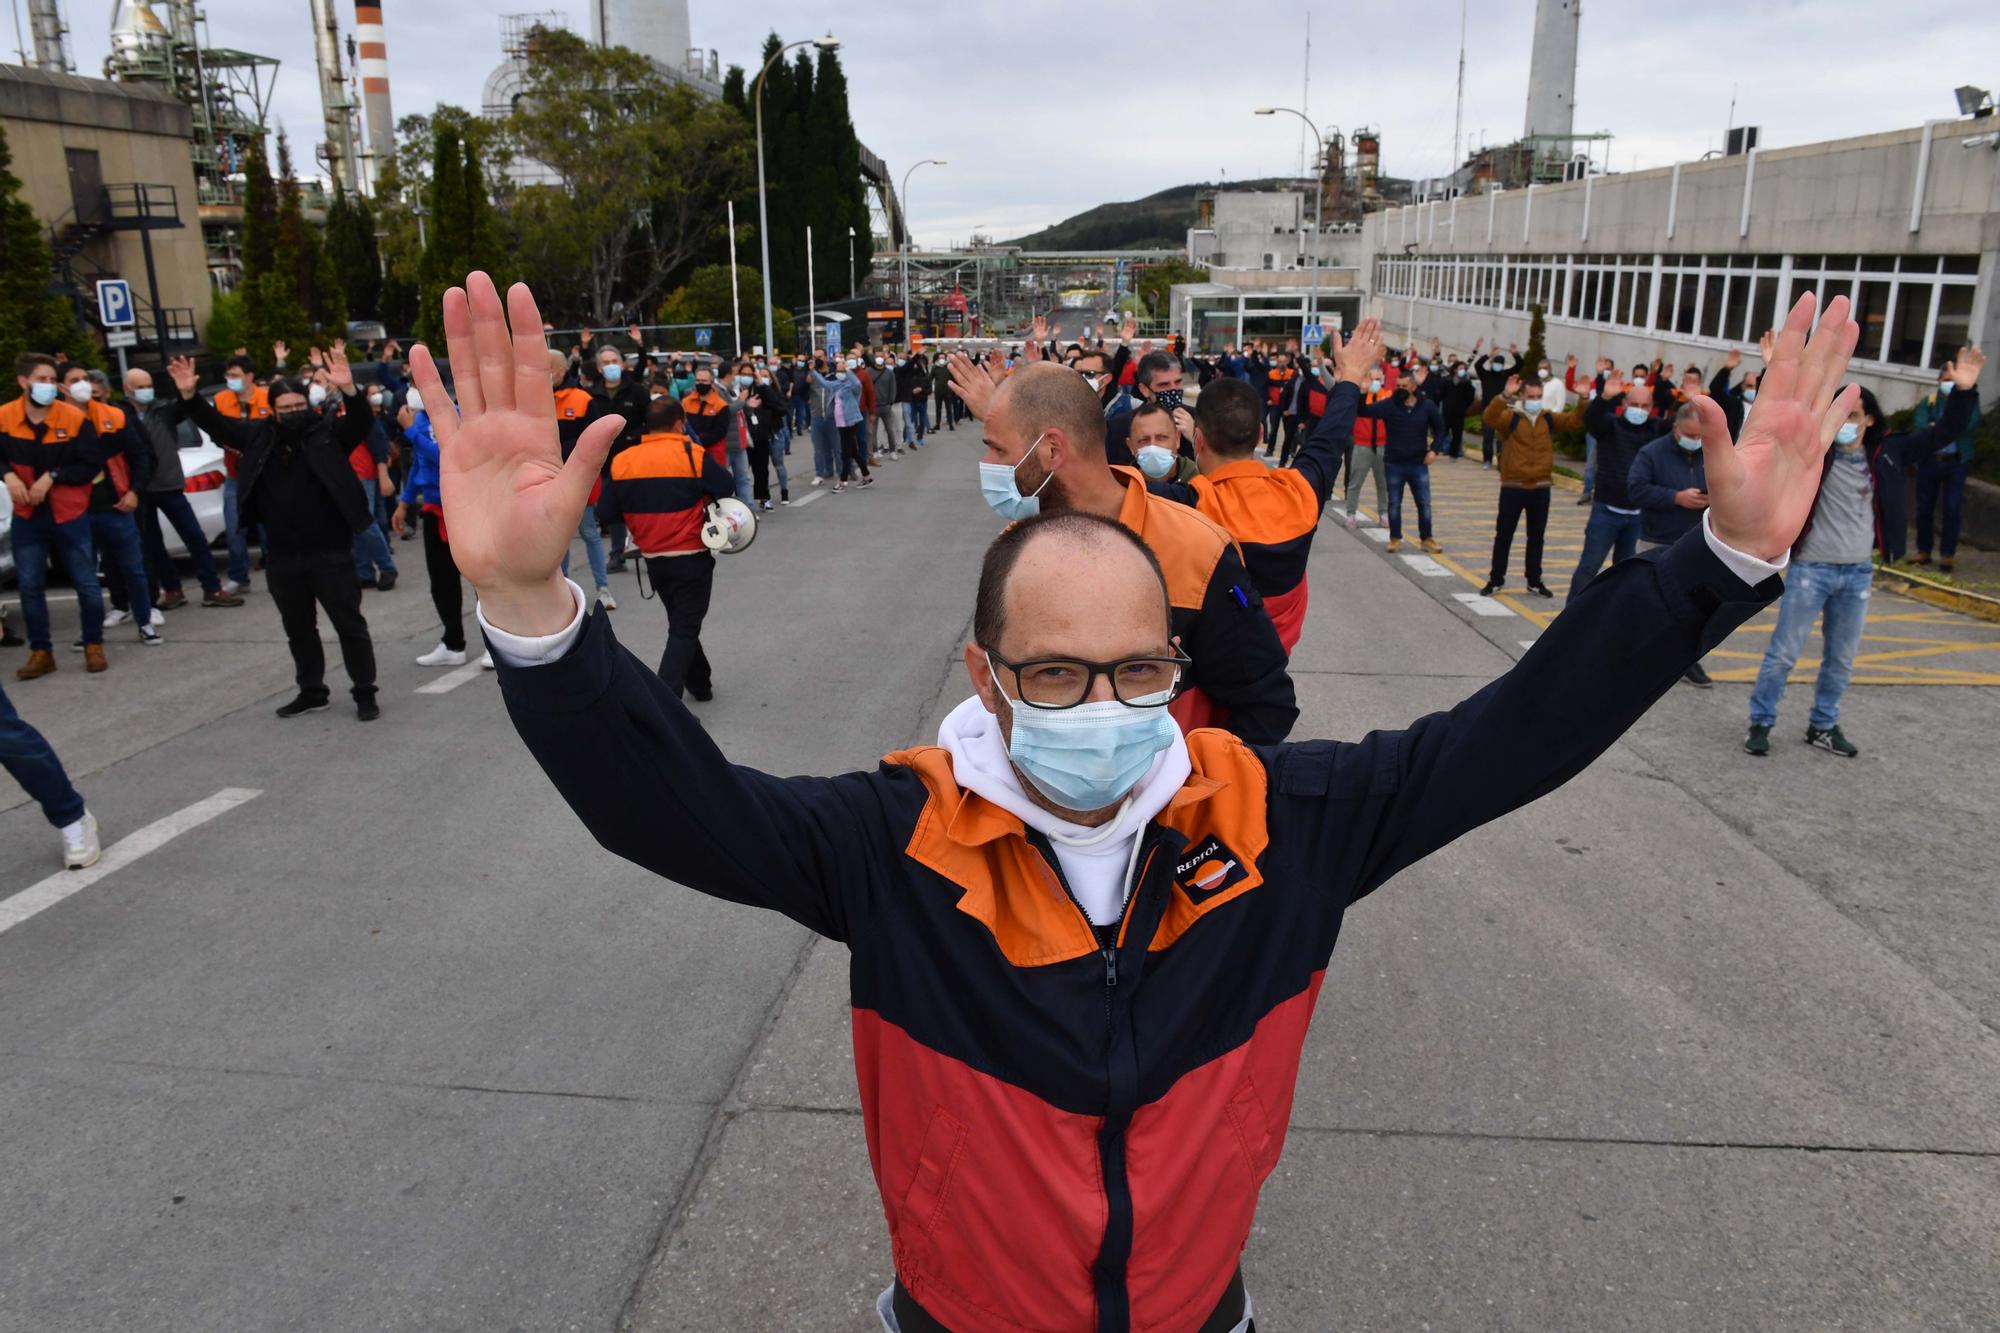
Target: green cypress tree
{"points": [[356, 260], [445, 244], [260, 214], [847, 196], [733, 94], [34, 315]]}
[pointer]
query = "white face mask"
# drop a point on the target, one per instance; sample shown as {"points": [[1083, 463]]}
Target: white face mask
{"points": [[316, 394], [414, 401], [79, 391]]}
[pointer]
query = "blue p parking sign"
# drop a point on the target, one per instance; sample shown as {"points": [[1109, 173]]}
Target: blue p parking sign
{"points": [[114, 302]]}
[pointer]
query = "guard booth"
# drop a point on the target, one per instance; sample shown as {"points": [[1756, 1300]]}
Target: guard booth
{"points": [[885, 327]]}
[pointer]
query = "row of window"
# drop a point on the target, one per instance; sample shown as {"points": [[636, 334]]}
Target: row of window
{"points": [[1914, 310]]}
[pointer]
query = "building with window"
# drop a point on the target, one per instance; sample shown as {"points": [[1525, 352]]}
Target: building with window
{"points": [[1258, 252], [1688, 261]]}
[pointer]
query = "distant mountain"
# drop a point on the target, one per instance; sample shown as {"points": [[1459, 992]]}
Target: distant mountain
{"points": [[1159, 221]]}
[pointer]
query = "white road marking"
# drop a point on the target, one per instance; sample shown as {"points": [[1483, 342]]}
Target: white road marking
{"points": [[451, 680], [62, 884], [807, 499], [1428, 567], [1481, 606], [1380, 535], [1525, 643]]}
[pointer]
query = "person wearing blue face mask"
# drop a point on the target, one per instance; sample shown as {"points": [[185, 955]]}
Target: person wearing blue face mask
{"points": [[1736, 397], [1074, 938], [1832, 572], [1620, 421], [1526, 440], [1942, 476], [52, 452]]}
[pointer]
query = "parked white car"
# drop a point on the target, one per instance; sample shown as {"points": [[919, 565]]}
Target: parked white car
{"points": [[205, 471]]}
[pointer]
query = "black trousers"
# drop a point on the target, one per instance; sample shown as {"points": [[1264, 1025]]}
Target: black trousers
{"points": [[1456, 429], [760, 470], [1291, 445], [446, 593], [1515, 501], [1486, 442], [854, 449], [299, 579], [683, 583]]}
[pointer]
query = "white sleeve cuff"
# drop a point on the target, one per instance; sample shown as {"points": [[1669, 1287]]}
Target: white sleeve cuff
{"points": [[517, 651], [1744, 566]]}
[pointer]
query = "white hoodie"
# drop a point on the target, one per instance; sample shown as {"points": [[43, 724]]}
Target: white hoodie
{"points": [[1097, 862]]}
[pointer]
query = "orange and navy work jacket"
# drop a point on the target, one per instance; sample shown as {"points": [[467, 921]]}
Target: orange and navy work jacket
{"points": [[237, 408], [661, 487], [1069, 1132], [65, 443], [109, 423], [1272, 513], [707, 415], [1238, 679], [1278, 390]]}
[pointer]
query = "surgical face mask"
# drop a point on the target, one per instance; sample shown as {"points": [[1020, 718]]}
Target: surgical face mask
{"points": [[613, 373], [1168, 398], [1532, 406], [1749, 395], [1692, 445], [1155, 461], [316, 394], [1002, 492], [414, 401], [1848, 433], [235, 383], [1636, 415], [743, 380], [143, 397], [854, 365], [377, 399], [1944, 387], [79, 391], [44, 394], [1089, 756], [1543, 373]]}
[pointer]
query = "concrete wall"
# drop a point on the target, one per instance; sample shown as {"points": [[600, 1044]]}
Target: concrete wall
{"points": [[1250, 224], [1851, 196], [140, 135]]}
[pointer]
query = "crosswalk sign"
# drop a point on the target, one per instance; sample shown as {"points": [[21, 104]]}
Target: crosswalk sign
{"points": [[1315, 333], [703, 337]]}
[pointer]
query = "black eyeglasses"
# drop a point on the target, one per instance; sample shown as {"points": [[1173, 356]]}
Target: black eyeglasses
{"points": [[1065, 682]]}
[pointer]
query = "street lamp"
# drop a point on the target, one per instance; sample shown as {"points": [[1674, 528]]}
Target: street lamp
{"points": [[850, 264], [1312, 309], [826, 43], [904, 198]]}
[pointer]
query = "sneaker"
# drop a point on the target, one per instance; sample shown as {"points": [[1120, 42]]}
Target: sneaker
{"points": [[1350, 522], [150, 636], [1540, 590], [94, 660], [1697, 677], [300, 706], [220, 597], [786, 499], [839, 486], [385, 580], [367, 710], [40, 663], [486, 662], [442, 656], [606, 600], [766, 506], [1492, 586], [818, 480], [172, 601], [80, 849], [114, 618], [232, 587], [866, 482], [1832, 741], [1395, 545], [1432, 545], [1758, 742]]}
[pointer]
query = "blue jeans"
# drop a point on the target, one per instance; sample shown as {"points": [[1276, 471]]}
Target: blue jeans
{"points": [[34, 537], [239, 543], [1590, 474], [739, 468], [117, 537], [1841, 592], [371, 548], [174, 507], [28, 759], [781, 444], [826, 446], [1607, 533], [1418, 478], [1945, 475], [801, 413], [593, 548]]}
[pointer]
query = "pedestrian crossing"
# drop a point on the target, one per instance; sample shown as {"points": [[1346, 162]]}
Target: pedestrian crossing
{"points": [[1905, 642]]}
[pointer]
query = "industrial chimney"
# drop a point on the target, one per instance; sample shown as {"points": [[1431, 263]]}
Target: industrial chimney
{"points": [[381, 122], [340, 155], [1552, 78]]}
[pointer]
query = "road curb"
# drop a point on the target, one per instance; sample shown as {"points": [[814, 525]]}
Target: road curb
{"points": [[1965, 602]]}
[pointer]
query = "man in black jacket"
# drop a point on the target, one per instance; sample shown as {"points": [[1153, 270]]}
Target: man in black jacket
{"points": [[1412, 429], [1621, 420], [627, 396], [1494, 370], [296, 482], [993, 1013]]}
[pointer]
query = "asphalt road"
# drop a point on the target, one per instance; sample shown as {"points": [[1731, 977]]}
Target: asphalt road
{"points": [[1696, 1042]]}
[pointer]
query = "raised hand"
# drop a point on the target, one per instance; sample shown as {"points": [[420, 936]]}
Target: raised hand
{"points": [[1766, 343], [1184, 423], [181, 368], [1614, 384], [973, 384], [315, 358], [1129, 329], [1512, 387], [511, 502], [337, 369], [583, 340], [1354, 360], [279, 351], [638, 339], [1040, 332], [1964, 369], [1734, 359], [1761, 488]]}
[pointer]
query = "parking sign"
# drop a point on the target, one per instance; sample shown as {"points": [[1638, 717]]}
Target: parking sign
{"points": [[114, 302]]}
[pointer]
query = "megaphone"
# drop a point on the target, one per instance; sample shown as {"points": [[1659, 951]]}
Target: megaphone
{"points": [[730, 527]]}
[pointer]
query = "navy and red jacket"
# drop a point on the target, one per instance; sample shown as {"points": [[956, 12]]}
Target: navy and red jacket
{"points": [[661, 487], [1070, 1134]]}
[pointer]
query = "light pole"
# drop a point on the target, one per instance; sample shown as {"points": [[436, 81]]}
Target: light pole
{"points": [[826, 43], [904, 200], [850, 264], [1312, 308]]}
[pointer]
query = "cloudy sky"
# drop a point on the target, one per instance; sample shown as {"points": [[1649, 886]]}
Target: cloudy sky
{"points": [[1043, 109]]}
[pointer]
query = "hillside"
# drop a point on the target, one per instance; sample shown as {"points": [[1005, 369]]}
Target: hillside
{"points": [[1159, 220]]}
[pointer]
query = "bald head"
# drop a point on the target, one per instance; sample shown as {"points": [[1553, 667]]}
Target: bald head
{"points": [[558, 366], [1071, 585], [1043, 397]]}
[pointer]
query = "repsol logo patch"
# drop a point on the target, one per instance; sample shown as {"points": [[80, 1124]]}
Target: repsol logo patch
{"points": [[1208, 868]]}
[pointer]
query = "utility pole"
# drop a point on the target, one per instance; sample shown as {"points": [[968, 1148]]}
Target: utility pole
{"points": [[1458, 117]]}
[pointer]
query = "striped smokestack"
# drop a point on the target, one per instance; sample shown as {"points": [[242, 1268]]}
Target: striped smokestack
{"points": [[374, 54]]}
